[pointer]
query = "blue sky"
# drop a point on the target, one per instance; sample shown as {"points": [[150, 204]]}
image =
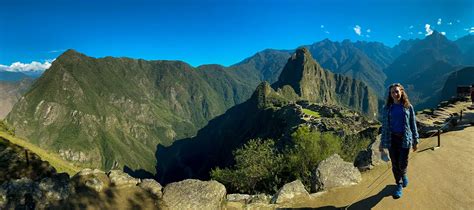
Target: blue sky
{"points": [[211, 31]]}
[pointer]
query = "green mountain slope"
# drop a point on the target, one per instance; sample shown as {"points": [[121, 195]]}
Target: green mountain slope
{"points": [[112, 112]]}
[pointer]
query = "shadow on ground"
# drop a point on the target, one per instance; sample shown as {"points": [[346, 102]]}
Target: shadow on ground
{"points": [[367, 203]]}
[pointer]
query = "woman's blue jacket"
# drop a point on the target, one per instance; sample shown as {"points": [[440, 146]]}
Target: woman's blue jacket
{"points": [[410, 137]]}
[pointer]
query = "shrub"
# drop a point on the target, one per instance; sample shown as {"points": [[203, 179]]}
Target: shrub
{"points": [[310, 148], [256, 168]]}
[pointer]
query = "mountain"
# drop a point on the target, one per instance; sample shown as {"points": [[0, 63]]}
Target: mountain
{"points": [[380, 54], [463, 77], [12, 76], [364, 61], [403, 46], [311, 82], [112, 112], [466, 44], [347, 59], [11, 92], [272, 112], [424, 67], [268, 63]]}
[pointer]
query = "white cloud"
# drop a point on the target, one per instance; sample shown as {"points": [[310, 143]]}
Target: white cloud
{"points": [[439, 21], [368, 30], [444, 33], [34, 66], [471, 30], [322, 26], [399, 36], [419, 32], [428, 30], [357, 30], [326, 32], [56, 51], [411, 27], [450, 23]]}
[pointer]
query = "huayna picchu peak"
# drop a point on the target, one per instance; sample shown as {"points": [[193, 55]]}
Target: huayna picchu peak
{"points": [[311, 82]]}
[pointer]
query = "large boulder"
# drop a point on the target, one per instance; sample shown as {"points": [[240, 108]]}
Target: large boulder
{"points": [[335, 172], [95, 179], [152, 187], [121, 179], [291, 192], [370, 157], [193, 194]]}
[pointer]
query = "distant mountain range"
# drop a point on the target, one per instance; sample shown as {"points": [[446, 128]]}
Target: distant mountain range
{"points": [[463, 77], [11, 91], [423, 69]]}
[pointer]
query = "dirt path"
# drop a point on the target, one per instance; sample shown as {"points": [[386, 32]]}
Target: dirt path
{"points": [[438, 179]]}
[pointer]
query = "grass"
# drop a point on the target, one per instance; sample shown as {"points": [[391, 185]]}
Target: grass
{"points": [[54, 160], [312, 113]]}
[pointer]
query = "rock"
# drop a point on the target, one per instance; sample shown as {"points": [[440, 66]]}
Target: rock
{"points": [[93, 179], [242, 198], [87, 171], [290, 191], [122, 179], [335, 172], [152, 186], [193, 194], [3, 198], [260, 199], [56, 188], [369, 158], [20, 192]]}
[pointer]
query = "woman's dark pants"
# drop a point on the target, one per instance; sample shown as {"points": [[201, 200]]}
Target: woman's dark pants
{"points": [[399, 157]]}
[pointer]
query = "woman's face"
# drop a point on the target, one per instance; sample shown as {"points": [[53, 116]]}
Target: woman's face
{"points": [[396, 93]]}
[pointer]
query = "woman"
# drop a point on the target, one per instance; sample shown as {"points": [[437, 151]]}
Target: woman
{"points": [[399, 133]]}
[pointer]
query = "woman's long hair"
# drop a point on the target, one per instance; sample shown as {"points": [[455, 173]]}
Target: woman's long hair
{"points": [[403, 99]]}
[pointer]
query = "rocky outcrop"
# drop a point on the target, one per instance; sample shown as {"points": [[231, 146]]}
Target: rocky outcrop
{"points": [[121, 179], [56, 188], [193, 194], [25, 193], [242, 198], [369, 158], [335, 172], [152, 187], [290, 191], [444, 117], [95, 179]]}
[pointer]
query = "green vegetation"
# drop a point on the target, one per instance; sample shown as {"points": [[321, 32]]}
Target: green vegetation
{"points": [[255, 170], [312, 113], [262, 167], [6, 129], [309, 149], [54, 160], [120, 109]]}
